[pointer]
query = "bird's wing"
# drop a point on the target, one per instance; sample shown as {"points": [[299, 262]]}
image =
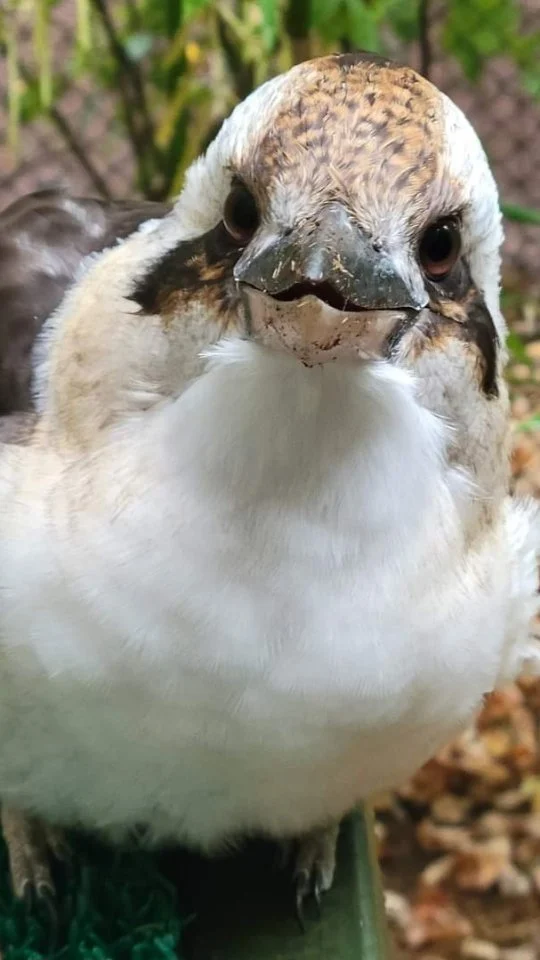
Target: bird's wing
{"points": [[17, 428], [44, 237]]}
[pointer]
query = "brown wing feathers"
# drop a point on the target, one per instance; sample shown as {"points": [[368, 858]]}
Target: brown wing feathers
{"points": [[43, 239]]}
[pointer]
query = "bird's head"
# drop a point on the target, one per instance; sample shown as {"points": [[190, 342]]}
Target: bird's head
{"points": [[345, 208], [345, 212]]}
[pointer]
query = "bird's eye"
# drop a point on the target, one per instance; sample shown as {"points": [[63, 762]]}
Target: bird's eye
{"points": [[240, 216], [439, 248]]}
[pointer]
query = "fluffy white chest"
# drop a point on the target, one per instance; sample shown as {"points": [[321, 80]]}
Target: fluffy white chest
{"points": [[259, 608]]}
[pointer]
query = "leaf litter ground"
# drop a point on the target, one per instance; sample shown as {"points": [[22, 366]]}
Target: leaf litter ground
{"points": [[460, 843]]}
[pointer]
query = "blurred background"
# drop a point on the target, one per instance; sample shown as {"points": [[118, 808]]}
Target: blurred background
{"points": [[115, 98]]}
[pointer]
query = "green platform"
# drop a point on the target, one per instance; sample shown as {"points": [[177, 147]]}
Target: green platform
{"points": [[244, 907]]}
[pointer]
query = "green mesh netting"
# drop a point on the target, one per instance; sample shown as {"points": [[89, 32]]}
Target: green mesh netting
{"points": [[116, 906]]}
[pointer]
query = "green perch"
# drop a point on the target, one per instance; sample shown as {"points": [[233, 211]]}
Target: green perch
{"points": [[244, 912]]}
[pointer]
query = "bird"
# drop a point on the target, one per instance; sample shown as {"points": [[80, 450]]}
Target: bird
{"points": [[258, 556]]}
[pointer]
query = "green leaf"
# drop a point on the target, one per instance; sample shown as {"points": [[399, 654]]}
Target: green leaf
{"points": [[270, 24], [530, 425], [525, 51], [478, 29], [352, 21], [324, 12], [299, 18], [193, 7], [403, 19], [513, 211], [84, 26], [43, 50], [30, 102], [161, 17], [362, 30], [517, 349], [174, 16], [531, 82]]}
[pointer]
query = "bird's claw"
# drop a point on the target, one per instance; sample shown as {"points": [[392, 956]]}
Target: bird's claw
{"points": [[314, 871], [301, 889], [35, 892], [44, 900], [317, 890], [31, 845], [307, 885]]}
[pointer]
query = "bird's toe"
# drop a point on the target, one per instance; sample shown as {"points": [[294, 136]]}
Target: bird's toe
{"points": [[314, 870], [31, 846]]}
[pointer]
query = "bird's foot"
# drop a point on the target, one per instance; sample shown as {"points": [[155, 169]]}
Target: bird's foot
{"points": [[31, 846], [314, 867]]}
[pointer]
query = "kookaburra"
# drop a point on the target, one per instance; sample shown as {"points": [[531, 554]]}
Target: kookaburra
{"points": [[258, 559]]}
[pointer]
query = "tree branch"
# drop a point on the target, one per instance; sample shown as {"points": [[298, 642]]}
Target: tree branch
{"points": [[134, 15], [424, 39], [79, 152], [297, 21], [69, 136], [134, 100]]}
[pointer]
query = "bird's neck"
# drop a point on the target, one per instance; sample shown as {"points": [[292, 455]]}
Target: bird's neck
{"points": [[350, 446]]}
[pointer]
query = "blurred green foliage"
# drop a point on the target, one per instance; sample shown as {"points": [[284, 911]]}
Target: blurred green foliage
{"points": [[478, 30], [177, 67]]}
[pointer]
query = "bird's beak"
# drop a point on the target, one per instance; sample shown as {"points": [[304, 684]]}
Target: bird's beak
{"points": [[325, 291]]}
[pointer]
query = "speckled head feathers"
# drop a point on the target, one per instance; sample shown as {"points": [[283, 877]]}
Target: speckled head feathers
{"points": [[371, 133], [353, 127]]}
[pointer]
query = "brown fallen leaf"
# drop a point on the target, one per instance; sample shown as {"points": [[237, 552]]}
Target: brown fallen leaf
{"points": [[498, 742], [469, 754], [436, 921], [513, 882], [481, 865], [433, 837], [491, 824], [521, 408], [526, 952], [526, 852], [530, 687], [398, 909], [511, 799], [524, 454], [479, 806], [473, 949], [530, 824], [430, 781], [524, 754], [438, 871], [499, 705], [531, 788], [450, 809]]}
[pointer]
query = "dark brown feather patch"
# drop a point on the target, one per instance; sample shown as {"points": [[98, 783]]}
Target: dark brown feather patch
{"points": [[467, 319], [199, 269], [43, 239]]}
